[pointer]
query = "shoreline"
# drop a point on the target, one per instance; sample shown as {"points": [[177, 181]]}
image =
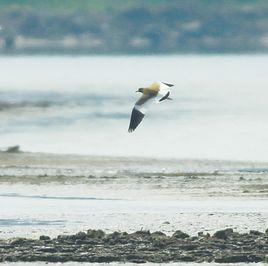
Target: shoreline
{"points": [[47, 198], [25, 158]]}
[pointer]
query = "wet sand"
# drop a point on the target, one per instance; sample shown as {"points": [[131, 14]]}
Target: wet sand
{"points": [[45, 194]]}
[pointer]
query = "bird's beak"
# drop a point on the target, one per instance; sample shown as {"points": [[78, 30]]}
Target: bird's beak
{"points": [[137, 91]]}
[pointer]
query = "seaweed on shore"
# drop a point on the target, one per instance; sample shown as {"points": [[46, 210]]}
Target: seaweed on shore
{"points": [[225, 246], [13, 149]]}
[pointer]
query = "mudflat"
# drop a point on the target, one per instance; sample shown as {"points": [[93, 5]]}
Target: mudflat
{"points": [[138, 209]]}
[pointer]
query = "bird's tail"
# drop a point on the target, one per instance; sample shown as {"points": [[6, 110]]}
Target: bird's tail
{"points": [[168, 98]]}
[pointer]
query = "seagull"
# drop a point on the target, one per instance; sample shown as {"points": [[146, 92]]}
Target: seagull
{"points": [[158, 91]]}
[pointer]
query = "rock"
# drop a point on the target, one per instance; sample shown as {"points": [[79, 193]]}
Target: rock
{"points": [[158, 234], [224, 234], [255, 232], [6, 246], [13, 149], [189, 247], [95, 233], [200, 233], [159, 240], [193, 238], [81, 235], [238, 258], [115, 235], [166, 222], [44, 237], [117, 238], [180, 235], [63, 237], [143, 233], [17, 241], [225, 246]]}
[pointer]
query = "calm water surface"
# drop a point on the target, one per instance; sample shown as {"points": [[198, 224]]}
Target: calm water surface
{"points": [[82, 105]]}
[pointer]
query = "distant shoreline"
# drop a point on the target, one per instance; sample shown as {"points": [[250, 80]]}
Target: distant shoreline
{"points": [[61, 52], [60, 156], [133, 26]]}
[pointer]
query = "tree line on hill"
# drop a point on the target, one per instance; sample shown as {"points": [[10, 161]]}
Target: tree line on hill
{"points": [[182, 29]]}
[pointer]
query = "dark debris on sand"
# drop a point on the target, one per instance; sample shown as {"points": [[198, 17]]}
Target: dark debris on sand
{"points": [[96, 246], [13, 149]]}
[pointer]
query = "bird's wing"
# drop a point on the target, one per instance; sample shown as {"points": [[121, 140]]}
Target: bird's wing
{"points": [[167, 84], [138, 111], [143, 100], [164, 91], [164, 88], [136, 118], [165, 97]]}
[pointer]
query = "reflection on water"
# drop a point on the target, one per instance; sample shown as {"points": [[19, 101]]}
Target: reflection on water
{"points": [[17, 195], [82, 105], [29, 222]]}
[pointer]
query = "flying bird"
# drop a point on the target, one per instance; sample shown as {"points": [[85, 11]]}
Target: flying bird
{"points": [[158, 91]]}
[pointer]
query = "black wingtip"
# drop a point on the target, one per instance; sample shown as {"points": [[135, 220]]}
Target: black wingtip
{"points": [[136, 118], [168, 84], [165, 97]]}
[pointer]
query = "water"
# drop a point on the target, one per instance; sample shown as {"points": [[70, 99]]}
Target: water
{"points": [[162, 180], [63, 194], [82, 105], [36, 210]]}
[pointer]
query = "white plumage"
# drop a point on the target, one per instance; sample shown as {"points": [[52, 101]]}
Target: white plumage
{"points": [[157, 92]]}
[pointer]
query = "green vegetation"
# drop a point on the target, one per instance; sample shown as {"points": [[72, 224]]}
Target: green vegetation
{"points": [[134, 26], [115, 5], [78, 5]]}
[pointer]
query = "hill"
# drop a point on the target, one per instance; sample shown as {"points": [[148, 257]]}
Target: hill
{"points": [[133, 26]]}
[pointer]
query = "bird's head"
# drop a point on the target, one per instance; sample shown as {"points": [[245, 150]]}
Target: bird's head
{"points": [[140, 90]]}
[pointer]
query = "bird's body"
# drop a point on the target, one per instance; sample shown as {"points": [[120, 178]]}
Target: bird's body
{"points": [[148, 94]]}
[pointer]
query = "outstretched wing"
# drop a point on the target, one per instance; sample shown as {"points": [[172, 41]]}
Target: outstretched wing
{"points": [[165, 97], [136, 118], [138, 111], [164, 91], [143, 100], [167, 84]]}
